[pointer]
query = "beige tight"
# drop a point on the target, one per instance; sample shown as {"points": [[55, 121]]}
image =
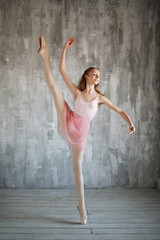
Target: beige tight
{"points": [[57, 95], [77, 157]]}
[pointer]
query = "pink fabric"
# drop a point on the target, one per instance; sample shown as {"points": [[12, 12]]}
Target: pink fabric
{"points": [[86, 109], [74, 125], [73, 128]]}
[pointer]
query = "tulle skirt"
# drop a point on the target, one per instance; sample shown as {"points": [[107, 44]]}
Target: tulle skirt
{"points": [[73, 128]]}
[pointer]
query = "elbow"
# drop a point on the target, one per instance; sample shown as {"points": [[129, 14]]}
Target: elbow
{"points": [[121, 112], [61, 69]]}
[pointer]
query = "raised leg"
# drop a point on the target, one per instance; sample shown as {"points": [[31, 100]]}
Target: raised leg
{"points": [[77, 157], [57, 95]]}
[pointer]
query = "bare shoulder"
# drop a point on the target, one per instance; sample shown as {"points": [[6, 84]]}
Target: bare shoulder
{"points": [[108, 103], [76, 91], [101, 99]]}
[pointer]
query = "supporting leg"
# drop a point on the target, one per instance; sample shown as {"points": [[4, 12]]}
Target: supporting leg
{"points": [[77, 157]]}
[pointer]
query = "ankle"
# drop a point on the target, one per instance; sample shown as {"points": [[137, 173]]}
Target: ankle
{"points": [[82, 205], [46, 60]]}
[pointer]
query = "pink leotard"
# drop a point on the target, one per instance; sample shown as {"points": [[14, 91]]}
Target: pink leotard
{"points": [[86, 109], [74, 125]]}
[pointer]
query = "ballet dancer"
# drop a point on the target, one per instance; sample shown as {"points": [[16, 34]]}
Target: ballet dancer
{"points": [[73, 126]]}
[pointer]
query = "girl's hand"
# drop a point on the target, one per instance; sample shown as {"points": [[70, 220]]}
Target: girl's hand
{"points": [[69, 42], [131, 129]]}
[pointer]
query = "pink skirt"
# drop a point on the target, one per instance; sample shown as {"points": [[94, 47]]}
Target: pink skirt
{"points": [[73, 128]]}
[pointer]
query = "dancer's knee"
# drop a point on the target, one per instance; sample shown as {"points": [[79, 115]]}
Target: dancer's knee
{"points": [[77, 168], [59, 104]]}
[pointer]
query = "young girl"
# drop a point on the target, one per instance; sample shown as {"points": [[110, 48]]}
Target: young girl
{"points": [[73, 126]]}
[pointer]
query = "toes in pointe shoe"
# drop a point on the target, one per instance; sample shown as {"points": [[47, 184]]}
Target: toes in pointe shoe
{"points": [[83, 218], [43, 46]]}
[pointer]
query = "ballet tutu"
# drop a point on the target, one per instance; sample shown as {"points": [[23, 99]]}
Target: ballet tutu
{"points": [[73, 128]]}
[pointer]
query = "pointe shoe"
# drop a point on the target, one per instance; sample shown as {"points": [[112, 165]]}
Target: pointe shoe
{"points": [[43, 50], [83, 220]]}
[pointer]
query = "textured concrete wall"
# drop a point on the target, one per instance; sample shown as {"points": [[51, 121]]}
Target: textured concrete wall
{"points": [[122, 38]]}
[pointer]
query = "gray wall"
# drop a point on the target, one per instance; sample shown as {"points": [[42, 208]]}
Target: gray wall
{"points": [[122, 38]]}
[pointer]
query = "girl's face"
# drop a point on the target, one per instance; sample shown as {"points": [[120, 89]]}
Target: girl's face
{"points": [[93, 77]]}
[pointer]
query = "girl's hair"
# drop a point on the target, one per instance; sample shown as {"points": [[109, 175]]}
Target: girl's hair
{"points": [[82, 82]]}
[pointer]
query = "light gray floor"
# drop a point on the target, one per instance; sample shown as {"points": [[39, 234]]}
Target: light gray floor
{"points": [[52, 214]]}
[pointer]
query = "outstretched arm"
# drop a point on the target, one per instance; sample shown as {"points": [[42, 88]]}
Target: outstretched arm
{"points": [[69, 83], [123, 114]]}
